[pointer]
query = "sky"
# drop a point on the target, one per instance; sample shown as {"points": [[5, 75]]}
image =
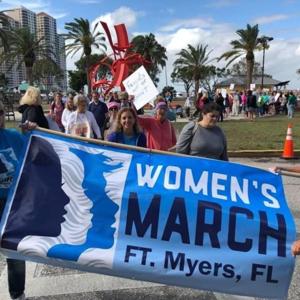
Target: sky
{"points": [[176, 24]]}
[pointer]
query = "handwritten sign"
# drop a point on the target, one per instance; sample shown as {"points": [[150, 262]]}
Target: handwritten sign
{"points": [[140, 85]]}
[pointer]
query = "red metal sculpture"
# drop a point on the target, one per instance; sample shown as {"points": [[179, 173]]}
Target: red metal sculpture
{"points": [[122, 63]]}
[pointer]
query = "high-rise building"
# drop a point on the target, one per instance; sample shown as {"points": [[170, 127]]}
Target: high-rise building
{"points": [[43, 26], [46, 32], [12, 74], [24, 16], [61, 60]]}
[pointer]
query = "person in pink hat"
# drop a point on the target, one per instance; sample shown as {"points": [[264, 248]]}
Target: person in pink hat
{"points": [[159, 130]]}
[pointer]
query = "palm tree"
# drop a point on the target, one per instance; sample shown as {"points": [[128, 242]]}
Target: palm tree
{"points": [[194, 59], [25, 48], [83, 39], [246, 45], [152, 51]]}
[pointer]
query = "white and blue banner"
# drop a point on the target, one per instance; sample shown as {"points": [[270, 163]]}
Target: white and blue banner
{"points": [[185, 221]]}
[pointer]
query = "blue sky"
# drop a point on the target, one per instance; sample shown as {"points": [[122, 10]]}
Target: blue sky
{"points": [[177, 23]]}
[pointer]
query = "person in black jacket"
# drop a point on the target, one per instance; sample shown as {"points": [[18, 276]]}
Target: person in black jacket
{"points": [[31, 109]]}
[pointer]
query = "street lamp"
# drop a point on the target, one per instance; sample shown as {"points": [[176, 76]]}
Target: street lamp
{"points": [[264, 42]]}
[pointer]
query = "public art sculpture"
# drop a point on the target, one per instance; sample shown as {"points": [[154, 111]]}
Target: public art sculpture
{"points": [[123, 61]]}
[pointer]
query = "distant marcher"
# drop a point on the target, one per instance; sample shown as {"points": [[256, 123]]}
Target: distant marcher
{"points": [[159, 130], [204, 138], [82, 122], [244, 102], [126, 129], [124, 98], [236, 104], [56, 110], [251, 105], [99, 110], [198, 105], [220, 103], [69, 108], [31, 109], [187, 106], [291, 104], [113, 108]]}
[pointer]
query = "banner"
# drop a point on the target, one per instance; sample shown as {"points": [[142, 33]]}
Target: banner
{"points": [[141, 86], [177, 220]]}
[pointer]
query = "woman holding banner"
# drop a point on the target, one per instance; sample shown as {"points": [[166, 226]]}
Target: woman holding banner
{"points": [[126, 130], [11, 144], [293, 169], [204, 138]]}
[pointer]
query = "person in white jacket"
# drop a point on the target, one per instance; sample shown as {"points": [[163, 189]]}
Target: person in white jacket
{"points": [[82, 122], [69, 108]]}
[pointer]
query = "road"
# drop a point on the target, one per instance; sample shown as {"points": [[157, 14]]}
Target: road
{"points": [[52, 283]]}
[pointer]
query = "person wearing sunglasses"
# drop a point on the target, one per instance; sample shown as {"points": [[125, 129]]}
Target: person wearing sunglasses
{"points": [[204, 138]]}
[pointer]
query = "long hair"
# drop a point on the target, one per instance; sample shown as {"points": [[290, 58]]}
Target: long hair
{"points": [[31, 97], [117, 127]]}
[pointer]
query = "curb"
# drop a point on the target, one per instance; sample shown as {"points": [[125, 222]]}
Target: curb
{"points": [[260, 153]]}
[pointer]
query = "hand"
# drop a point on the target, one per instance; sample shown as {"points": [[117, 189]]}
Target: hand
{"points": [[28, 126], [275, 169], [296, 248]]}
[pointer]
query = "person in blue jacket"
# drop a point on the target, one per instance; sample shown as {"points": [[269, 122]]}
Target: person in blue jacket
{"points": [[11, 144], [126, 129]]}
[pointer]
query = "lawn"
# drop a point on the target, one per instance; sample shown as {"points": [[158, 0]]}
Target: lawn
{"points": [[266, 133]]}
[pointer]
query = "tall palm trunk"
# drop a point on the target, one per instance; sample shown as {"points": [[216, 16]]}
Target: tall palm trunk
{"points": [[197, 86], [250, 66], [29, 76], [87, 66]]}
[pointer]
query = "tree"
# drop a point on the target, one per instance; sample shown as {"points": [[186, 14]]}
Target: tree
{"points": [[152, 51], [212, 75], [25, 48], [169, 89], [82, 38], [183, 75], [77, 78], [240, 68], [245, 45], [194, 59], [43, 69], [4, 32]]}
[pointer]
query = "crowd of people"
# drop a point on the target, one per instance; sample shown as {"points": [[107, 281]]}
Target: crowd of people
{"points": [[250, 104], [115, 119]]}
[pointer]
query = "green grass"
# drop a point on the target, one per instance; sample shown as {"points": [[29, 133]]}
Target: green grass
{"points": [[266, 133]]}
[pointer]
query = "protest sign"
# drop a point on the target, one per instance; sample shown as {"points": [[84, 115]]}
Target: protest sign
{"points": [[140, 85], [177, 220], [277, 96], [252, 86], [231, 86]]}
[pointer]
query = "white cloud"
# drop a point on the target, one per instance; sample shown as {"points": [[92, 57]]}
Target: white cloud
{"points": [[123, 14], [35, 5], [280, 58], [186, 23], [297, 52], [270, 19]]}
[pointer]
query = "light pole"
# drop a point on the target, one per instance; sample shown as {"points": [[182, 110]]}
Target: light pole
{"points": [[264, 42]]}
